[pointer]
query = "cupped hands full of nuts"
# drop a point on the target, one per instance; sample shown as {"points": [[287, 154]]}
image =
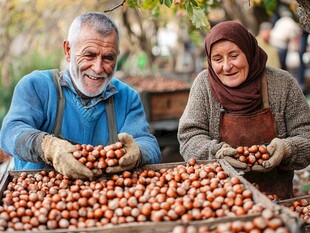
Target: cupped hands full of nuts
{"points": [[101, 157], [253, 155]]}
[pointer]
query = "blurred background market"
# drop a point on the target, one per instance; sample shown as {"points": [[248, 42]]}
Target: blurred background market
{"points": [[160, 40]]}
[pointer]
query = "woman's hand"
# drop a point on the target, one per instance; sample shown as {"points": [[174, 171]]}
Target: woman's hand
{"points": [[227, 152]]}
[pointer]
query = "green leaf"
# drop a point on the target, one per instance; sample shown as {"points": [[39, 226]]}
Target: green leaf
{"points": [[132, 4], [149, 4], [189, 9], [155, 11], [270, 5], [194, 2], [199, 19], [168, 3], [161, 1]]}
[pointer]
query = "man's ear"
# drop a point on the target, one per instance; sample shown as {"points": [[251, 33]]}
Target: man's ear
{"points": [[67, 49]]}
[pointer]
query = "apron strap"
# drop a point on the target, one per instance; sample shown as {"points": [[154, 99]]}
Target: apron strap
{"points": [[61, 104], [109, 103], [265, 93]]}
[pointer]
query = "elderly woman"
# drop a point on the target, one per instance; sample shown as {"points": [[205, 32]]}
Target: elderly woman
{"points": [[238, 101]]}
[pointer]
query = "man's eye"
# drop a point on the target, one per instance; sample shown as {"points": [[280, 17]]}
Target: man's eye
{"points": [[110, 58], [89, 55]]}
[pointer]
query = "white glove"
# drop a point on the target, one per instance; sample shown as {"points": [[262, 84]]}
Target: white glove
{"points": [[227, 152], [58, 153], [132, 157], [278, 150]]}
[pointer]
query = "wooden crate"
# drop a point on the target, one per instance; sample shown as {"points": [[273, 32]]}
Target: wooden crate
{"points": [[167, 226], [289, 202], [164, 105]]}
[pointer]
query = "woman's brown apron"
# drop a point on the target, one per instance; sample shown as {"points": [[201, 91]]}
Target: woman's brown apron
{"points": [[257, 129]]}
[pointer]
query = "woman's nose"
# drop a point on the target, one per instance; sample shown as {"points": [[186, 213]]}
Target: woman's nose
{"points": [[227, 65]]}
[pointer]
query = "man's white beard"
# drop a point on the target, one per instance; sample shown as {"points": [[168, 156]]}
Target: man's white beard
{"points": [[77, 78]]}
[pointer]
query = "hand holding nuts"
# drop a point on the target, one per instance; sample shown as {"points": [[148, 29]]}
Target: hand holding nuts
{"points": [[253, 155], [99, 157]]}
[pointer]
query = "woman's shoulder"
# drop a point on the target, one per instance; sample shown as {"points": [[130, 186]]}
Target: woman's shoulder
{"points": [[202, 74], [281, 81], [201, 78], [278, 75]]}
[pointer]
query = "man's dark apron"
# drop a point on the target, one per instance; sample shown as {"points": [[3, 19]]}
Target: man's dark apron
{"points": [[257, 129]]}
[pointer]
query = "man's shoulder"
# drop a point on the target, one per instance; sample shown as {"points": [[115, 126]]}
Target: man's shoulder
{"points": [[122, 86], [39, 75], [37, 78]]}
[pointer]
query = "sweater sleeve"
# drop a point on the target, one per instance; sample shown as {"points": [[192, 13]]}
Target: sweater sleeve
{"points": [[198, 126], [292, 115], [26, 121]]}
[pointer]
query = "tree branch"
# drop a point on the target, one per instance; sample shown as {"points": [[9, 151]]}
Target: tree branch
{"points": [[117, 6]]}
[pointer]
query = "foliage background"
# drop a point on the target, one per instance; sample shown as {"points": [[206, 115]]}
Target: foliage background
{"points": [[32, 31]]}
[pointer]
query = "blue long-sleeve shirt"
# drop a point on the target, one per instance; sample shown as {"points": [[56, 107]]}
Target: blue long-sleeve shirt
{"points": [[33, 112]]}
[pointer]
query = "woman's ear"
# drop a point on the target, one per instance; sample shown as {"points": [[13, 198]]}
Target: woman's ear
{"points": [[67, 49]]}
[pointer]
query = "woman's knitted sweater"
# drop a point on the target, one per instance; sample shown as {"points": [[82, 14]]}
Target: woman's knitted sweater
{"points": [[198, 132]]}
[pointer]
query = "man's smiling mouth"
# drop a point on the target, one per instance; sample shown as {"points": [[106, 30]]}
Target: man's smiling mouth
{"points": [[93, 77]]}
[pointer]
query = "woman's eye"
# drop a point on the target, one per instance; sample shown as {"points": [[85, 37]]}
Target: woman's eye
{"points": [[234, 56], [216, 59]]}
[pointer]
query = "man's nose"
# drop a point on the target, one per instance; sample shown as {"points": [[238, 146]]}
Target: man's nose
{"points": [[98, 66]]}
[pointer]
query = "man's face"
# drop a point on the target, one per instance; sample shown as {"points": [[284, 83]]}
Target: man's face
{"points": [[92, 61]]}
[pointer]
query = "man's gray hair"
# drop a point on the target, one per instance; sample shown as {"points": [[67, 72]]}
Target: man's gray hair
{"points": [[98, 21]]}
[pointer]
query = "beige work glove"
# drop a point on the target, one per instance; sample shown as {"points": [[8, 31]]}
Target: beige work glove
{"points": [[278, 149], [259, 168], [58, 153], [132, 157], [227, 152]]}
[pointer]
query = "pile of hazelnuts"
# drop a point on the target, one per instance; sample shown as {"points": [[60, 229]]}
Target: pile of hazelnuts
{"points": [[302, 208], [94, 157], [47, 200], [269, 221], [253, 155]]}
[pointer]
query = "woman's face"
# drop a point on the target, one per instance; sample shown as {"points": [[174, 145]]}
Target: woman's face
{"points": [[229, 63]]}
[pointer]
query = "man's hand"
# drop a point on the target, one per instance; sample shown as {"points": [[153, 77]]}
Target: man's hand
{"points": [[227, 152], [132, 157], [58, 153]]}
